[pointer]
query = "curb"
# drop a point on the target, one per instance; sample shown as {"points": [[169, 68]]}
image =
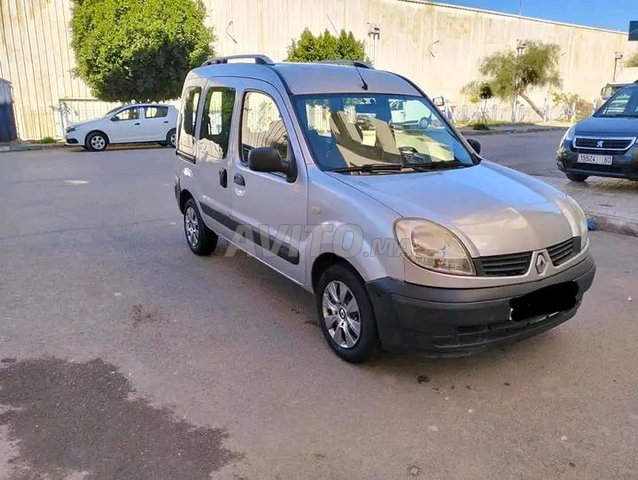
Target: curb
{"points": [[466, 132], [27, 147], [607, 223]]}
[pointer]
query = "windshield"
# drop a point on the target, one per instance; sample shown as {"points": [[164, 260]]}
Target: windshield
{"points": [[111, 112], [380, 133], [624, 103]]}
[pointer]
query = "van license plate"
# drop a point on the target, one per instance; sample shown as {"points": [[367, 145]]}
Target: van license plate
{"points": [[595, 159]]}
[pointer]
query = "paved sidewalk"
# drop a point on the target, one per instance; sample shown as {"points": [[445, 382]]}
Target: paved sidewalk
{"points": [[611, 204], [522, 128], [22, 147]]}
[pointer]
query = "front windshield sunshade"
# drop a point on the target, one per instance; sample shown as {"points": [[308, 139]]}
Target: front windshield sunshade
{"points": [[624, 103], [378, 133]]}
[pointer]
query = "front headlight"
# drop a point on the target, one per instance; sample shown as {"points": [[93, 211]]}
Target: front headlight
{"points": [[71, 129], [569, 134], [584, 228], [432, 246]]}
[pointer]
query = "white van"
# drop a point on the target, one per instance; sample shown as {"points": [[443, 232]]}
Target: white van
{"points": [[408, 238]]}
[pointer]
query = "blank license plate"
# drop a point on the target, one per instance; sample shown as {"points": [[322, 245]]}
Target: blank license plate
{"points": [[595, 159]]}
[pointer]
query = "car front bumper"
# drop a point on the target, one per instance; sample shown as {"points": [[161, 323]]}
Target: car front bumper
{"points": [[456, 322], [624, 165]]}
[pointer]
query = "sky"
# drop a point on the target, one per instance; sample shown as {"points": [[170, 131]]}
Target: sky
{"points": [[609, 14]]}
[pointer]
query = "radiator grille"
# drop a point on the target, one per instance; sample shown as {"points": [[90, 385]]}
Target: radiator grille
{"points": [[504, 265], [561, 252], [603, 143]]}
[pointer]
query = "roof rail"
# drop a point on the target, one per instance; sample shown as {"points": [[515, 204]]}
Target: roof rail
{"points": [[259, 59], [349, 63]]}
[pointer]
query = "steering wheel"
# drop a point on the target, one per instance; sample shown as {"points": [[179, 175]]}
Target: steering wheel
{"points": [[408, 149]]}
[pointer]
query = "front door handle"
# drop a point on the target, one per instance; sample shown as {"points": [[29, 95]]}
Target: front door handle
{"points": [[136, 123], [238, 178], [223, 177]]}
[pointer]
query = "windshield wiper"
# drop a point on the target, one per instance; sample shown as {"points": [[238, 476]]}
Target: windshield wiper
{"points": [[380, 167], [441, 164], [618, 115], [369, 167]]}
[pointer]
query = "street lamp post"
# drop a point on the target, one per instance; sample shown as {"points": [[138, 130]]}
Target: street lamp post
{"points": [[520, 46], [617, 58]]}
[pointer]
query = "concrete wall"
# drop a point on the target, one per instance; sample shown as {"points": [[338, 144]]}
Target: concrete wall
{"points": [[438, 46]]}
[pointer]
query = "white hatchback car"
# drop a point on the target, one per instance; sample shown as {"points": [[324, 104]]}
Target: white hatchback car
{"points": [[139, 123], [409, 239]]}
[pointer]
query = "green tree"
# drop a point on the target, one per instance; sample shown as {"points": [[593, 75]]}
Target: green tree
{"points": [[477, 91], [574, 107], [632, 61], [138, 50], [512, 75], [326, 46]]}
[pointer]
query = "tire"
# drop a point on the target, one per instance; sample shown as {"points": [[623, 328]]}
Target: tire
{"points": [[96, 142], [577, 177], [170, 138], [200, 239], [338, 286]]}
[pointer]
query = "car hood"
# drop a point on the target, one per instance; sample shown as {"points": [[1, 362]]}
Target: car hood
{"points": [[86, 124], [607, 126], [494, 209]]}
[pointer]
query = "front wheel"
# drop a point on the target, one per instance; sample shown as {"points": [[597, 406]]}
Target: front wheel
{"points": [[346, 317], [577, 177], [201, 239], [96, 142]]}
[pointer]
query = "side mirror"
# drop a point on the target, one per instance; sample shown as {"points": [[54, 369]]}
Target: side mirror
{"points": [[268, 159], [475, 144], [115, 119], [439, 101]]}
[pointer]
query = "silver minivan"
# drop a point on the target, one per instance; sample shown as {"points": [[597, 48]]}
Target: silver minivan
{"points": [[409, 239]]}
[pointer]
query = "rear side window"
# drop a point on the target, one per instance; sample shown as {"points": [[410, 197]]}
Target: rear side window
{"points": [[217, 119], [262, 125], [189, 109], [155, 112]]}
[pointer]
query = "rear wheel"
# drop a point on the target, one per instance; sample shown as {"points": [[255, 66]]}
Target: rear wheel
{"points": [[96, 141], [201, 239], [346, 317], [577, 177], [170, 138]]}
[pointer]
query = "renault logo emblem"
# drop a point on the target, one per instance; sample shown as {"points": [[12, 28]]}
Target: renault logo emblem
{"points": [[599, 144], [541, 263]]}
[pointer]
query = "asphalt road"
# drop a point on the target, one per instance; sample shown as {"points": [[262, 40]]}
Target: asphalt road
{"points": [[124, 356], [533, 153]]}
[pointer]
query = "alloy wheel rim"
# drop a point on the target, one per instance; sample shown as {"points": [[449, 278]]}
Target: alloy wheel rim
{"points": [[341, 314], [98, 142], [172, 140], [191, 226]]}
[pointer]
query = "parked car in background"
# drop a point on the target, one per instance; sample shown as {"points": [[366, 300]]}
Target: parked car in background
{"points": [[139, 123], [408, 238], [604, 144], [626, 77]]}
